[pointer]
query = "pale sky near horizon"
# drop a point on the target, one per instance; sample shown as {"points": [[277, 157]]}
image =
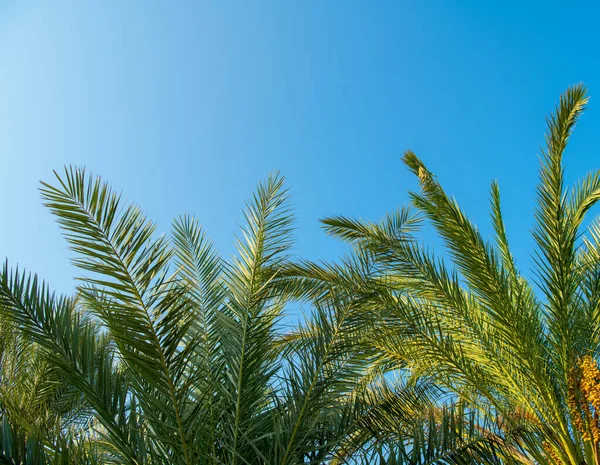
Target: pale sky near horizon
{"points": [[185, 106]]}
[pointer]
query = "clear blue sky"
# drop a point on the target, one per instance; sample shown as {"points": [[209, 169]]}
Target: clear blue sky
{"points": [[185, 106]]}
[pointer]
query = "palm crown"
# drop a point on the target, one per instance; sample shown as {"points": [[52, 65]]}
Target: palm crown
{"points": [[168, 354], [520, 351]]}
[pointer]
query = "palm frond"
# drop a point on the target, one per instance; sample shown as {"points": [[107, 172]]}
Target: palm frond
{"points": [[129, 290], [246, 323]]}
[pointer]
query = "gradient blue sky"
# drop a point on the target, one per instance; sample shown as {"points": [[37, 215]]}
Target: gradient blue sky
{"points": [[185, 106]]}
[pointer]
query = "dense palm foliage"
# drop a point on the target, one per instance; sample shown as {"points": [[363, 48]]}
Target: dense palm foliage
{"points": [[522, 351], [168, 354]]}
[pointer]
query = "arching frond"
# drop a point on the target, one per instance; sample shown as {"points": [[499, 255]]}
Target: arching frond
{"points": [[128, 289]]}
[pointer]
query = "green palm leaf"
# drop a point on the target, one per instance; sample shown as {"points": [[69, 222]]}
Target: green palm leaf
{"points": [[129, 290]]}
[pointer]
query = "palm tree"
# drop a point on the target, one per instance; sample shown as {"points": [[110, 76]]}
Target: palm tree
{"points": [[191, 337], [523, 352]]}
